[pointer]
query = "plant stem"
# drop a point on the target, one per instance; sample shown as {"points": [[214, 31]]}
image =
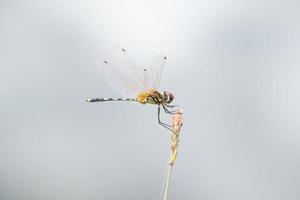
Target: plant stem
{"points": [[168, 182], [177, 123]]}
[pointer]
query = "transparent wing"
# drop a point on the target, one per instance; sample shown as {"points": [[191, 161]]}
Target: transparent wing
{"points": [[122, 74], [155, 71]]}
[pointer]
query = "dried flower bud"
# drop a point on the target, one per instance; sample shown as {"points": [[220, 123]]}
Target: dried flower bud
{"points": [[177, 124], [177, 121]]}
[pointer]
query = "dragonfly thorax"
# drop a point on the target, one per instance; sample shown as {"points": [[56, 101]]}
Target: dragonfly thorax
{"points": [[154, 97]]}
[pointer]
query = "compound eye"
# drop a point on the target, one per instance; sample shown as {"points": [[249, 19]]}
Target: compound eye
{"points": [[166, 96], [171, 97]]}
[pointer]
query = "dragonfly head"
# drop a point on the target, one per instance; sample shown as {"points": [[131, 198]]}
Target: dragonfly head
{"points": [[168, 97]]}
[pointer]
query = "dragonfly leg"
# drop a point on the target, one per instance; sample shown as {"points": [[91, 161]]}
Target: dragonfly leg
{"points": [[171, 106], [167, 126], [172, 112]]}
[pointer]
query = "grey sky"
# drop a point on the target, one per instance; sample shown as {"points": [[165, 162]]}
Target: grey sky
{"points": [[232, 65]]}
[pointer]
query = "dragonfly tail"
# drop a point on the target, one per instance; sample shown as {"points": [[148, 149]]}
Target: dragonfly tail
{"points": [[110, 99]]}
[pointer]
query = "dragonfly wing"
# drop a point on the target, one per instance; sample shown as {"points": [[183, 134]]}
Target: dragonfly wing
{"points": [[122, 74], [155, 71]]}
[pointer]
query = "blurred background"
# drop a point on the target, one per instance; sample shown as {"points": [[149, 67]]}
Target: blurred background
{"points": [[232, 65]]}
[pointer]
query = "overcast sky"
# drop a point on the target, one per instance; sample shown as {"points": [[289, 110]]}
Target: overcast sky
{"points": [[233, 66]]}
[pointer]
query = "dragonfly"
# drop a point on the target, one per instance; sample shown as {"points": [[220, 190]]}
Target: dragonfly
{"points": [[137, 84]]}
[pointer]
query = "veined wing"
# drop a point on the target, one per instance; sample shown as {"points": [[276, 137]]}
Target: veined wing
{"points": [[155, 71], [122, 74]]}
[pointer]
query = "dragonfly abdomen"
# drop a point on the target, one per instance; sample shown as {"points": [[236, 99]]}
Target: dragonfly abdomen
{"points": [[110, 99]]}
